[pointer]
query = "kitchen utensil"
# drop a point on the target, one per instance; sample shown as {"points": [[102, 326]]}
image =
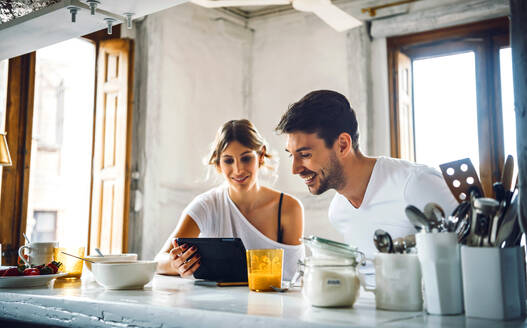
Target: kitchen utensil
{"points": [[417, 218], [25, 237], [404, 244], [286, 285], [460, 218], [499, 191], [509, 224], [383, 241], [495, 223], [483, 211], [98, 251], [126, 257], [435, 215], [507, 172], [460, 176], [77, 257]]}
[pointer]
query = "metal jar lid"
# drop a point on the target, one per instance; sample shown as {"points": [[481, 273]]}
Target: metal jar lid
{"points": [[334, 248]]}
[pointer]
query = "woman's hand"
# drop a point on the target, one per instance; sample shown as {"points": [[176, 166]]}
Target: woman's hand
{"points": [[184, 260]]}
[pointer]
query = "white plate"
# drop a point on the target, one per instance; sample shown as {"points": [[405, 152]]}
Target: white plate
{"points": [[28, 281]]}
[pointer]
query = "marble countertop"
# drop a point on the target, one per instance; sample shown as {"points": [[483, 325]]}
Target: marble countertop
{"points": [[175, 302]]}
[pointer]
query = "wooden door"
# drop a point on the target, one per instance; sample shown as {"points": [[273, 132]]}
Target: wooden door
{"points": [[112, 147], [405, 107], [15, 178]]}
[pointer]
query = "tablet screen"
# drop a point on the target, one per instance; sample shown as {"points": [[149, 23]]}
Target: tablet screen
{"points": [[222, 259]]}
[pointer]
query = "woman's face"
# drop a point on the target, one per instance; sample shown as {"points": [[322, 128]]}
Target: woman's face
{"points": [[239, 166]]}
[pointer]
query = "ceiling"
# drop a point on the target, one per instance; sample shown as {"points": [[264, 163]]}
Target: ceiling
{"points": [[355, 8]]}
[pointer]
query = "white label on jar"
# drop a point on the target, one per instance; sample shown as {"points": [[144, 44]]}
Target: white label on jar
{"points": [[333, 282]]}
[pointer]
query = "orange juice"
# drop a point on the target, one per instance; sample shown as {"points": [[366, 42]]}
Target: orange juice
{"points": [[71, 265], [263, 281], [264, 268]]}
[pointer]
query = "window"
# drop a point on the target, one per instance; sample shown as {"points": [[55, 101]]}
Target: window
{"points": [[460, 103], [43, 227], [60, 173]]}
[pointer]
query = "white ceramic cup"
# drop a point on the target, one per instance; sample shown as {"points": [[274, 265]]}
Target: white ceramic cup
{"points": [[441, 269], [39, 252], [397, 282]]}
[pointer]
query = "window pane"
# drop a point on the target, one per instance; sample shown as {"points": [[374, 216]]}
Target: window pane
{"points": [[445, 109], [507, 102], [60, 175]]}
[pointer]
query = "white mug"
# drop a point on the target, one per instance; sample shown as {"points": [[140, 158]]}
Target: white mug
{"points": [[397, 282], [39, 253]]}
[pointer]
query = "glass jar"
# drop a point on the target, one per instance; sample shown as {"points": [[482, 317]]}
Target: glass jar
{"points": [[330, 282]]}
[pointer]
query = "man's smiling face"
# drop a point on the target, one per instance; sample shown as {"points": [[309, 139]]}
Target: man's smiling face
{"points": [[316, 164]]}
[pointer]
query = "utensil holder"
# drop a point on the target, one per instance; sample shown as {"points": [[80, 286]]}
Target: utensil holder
{"points": [[440, 261], [494, 282]]}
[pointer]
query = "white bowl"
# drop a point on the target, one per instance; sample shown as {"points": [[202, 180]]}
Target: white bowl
{"points": [[124, 275], [127, 257]]}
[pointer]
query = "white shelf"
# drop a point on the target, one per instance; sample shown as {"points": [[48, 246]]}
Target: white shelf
{"points": [[53, 24]]}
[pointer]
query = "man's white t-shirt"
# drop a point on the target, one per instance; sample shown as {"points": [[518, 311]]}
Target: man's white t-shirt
{"points": [[218, 217], [394, 184]]}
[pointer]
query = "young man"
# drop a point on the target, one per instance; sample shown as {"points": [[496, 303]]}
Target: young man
{"points": [[372, 192]]}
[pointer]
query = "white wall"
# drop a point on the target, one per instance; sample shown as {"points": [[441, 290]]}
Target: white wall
{"points": [[195, 80]]}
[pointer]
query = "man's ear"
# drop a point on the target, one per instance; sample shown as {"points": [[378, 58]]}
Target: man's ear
{"points": [[343, 144]]}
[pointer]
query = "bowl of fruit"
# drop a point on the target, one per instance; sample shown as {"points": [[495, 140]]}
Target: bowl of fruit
{"points": [[29, 276]]}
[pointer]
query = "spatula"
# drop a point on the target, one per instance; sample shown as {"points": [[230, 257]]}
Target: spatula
{"points": [[460, 176]]}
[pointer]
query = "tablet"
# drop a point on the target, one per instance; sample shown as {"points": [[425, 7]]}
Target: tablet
{"points": [[222, 259]]}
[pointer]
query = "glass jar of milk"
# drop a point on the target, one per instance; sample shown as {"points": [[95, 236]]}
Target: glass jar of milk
{"points": [[330, 282]]}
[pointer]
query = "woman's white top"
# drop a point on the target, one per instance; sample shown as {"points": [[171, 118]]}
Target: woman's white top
{"points": [[218, 217]]}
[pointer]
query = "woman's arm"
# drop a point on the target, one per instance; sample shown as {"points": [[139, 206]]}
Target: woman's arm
{"points": [[172, 258], [292, 221]]}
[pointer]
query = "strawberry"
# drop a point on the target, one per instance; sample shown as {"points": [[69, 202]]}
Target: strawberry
{"points": [[11, 272], [31, 272], [54, 265]]}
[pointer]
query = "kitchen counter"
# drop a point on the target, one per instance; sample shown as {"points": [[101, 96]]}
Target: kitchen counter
{"points": [[175, 302]]}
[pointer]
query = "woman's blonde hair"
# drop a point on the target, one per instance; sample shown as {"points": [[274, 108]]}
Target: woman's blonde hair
{"points": [[246, 134]]}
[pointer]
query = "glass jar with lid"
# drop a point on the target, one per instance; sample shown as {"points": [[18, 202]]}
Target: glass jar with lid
{"points": [[330, 282], [330, 273]]}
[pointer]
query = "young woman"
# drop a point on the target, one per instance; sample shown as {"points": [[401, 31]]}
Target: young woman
{"points": [[242, 208]]}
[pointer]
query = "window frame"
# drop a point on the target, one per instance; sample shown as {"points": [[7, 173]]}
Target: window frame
{"points": [[19, 128], [485, 38]]}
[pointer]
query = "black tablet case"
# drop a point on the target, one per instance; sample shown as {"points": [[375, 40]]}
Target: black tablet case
{"points": [[222, 259]]}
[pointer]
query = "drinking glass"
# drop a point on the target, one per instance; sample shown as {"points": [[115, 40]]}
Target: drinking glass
{"points": [[70, 265], [264, 269]]}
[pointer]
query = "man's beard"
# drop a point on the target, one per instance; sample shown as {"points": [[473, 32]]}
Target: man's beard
{"points": [[331, 177]]}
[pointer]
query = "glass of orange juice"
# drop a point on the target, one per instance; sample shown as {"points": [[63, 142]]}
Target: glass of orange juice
{"points": [[264, 269], [70, 265]]}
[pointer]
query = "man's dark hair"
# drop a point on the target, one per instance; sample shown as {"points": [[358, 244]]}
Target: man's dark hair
{"points": [[324, 112]]}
